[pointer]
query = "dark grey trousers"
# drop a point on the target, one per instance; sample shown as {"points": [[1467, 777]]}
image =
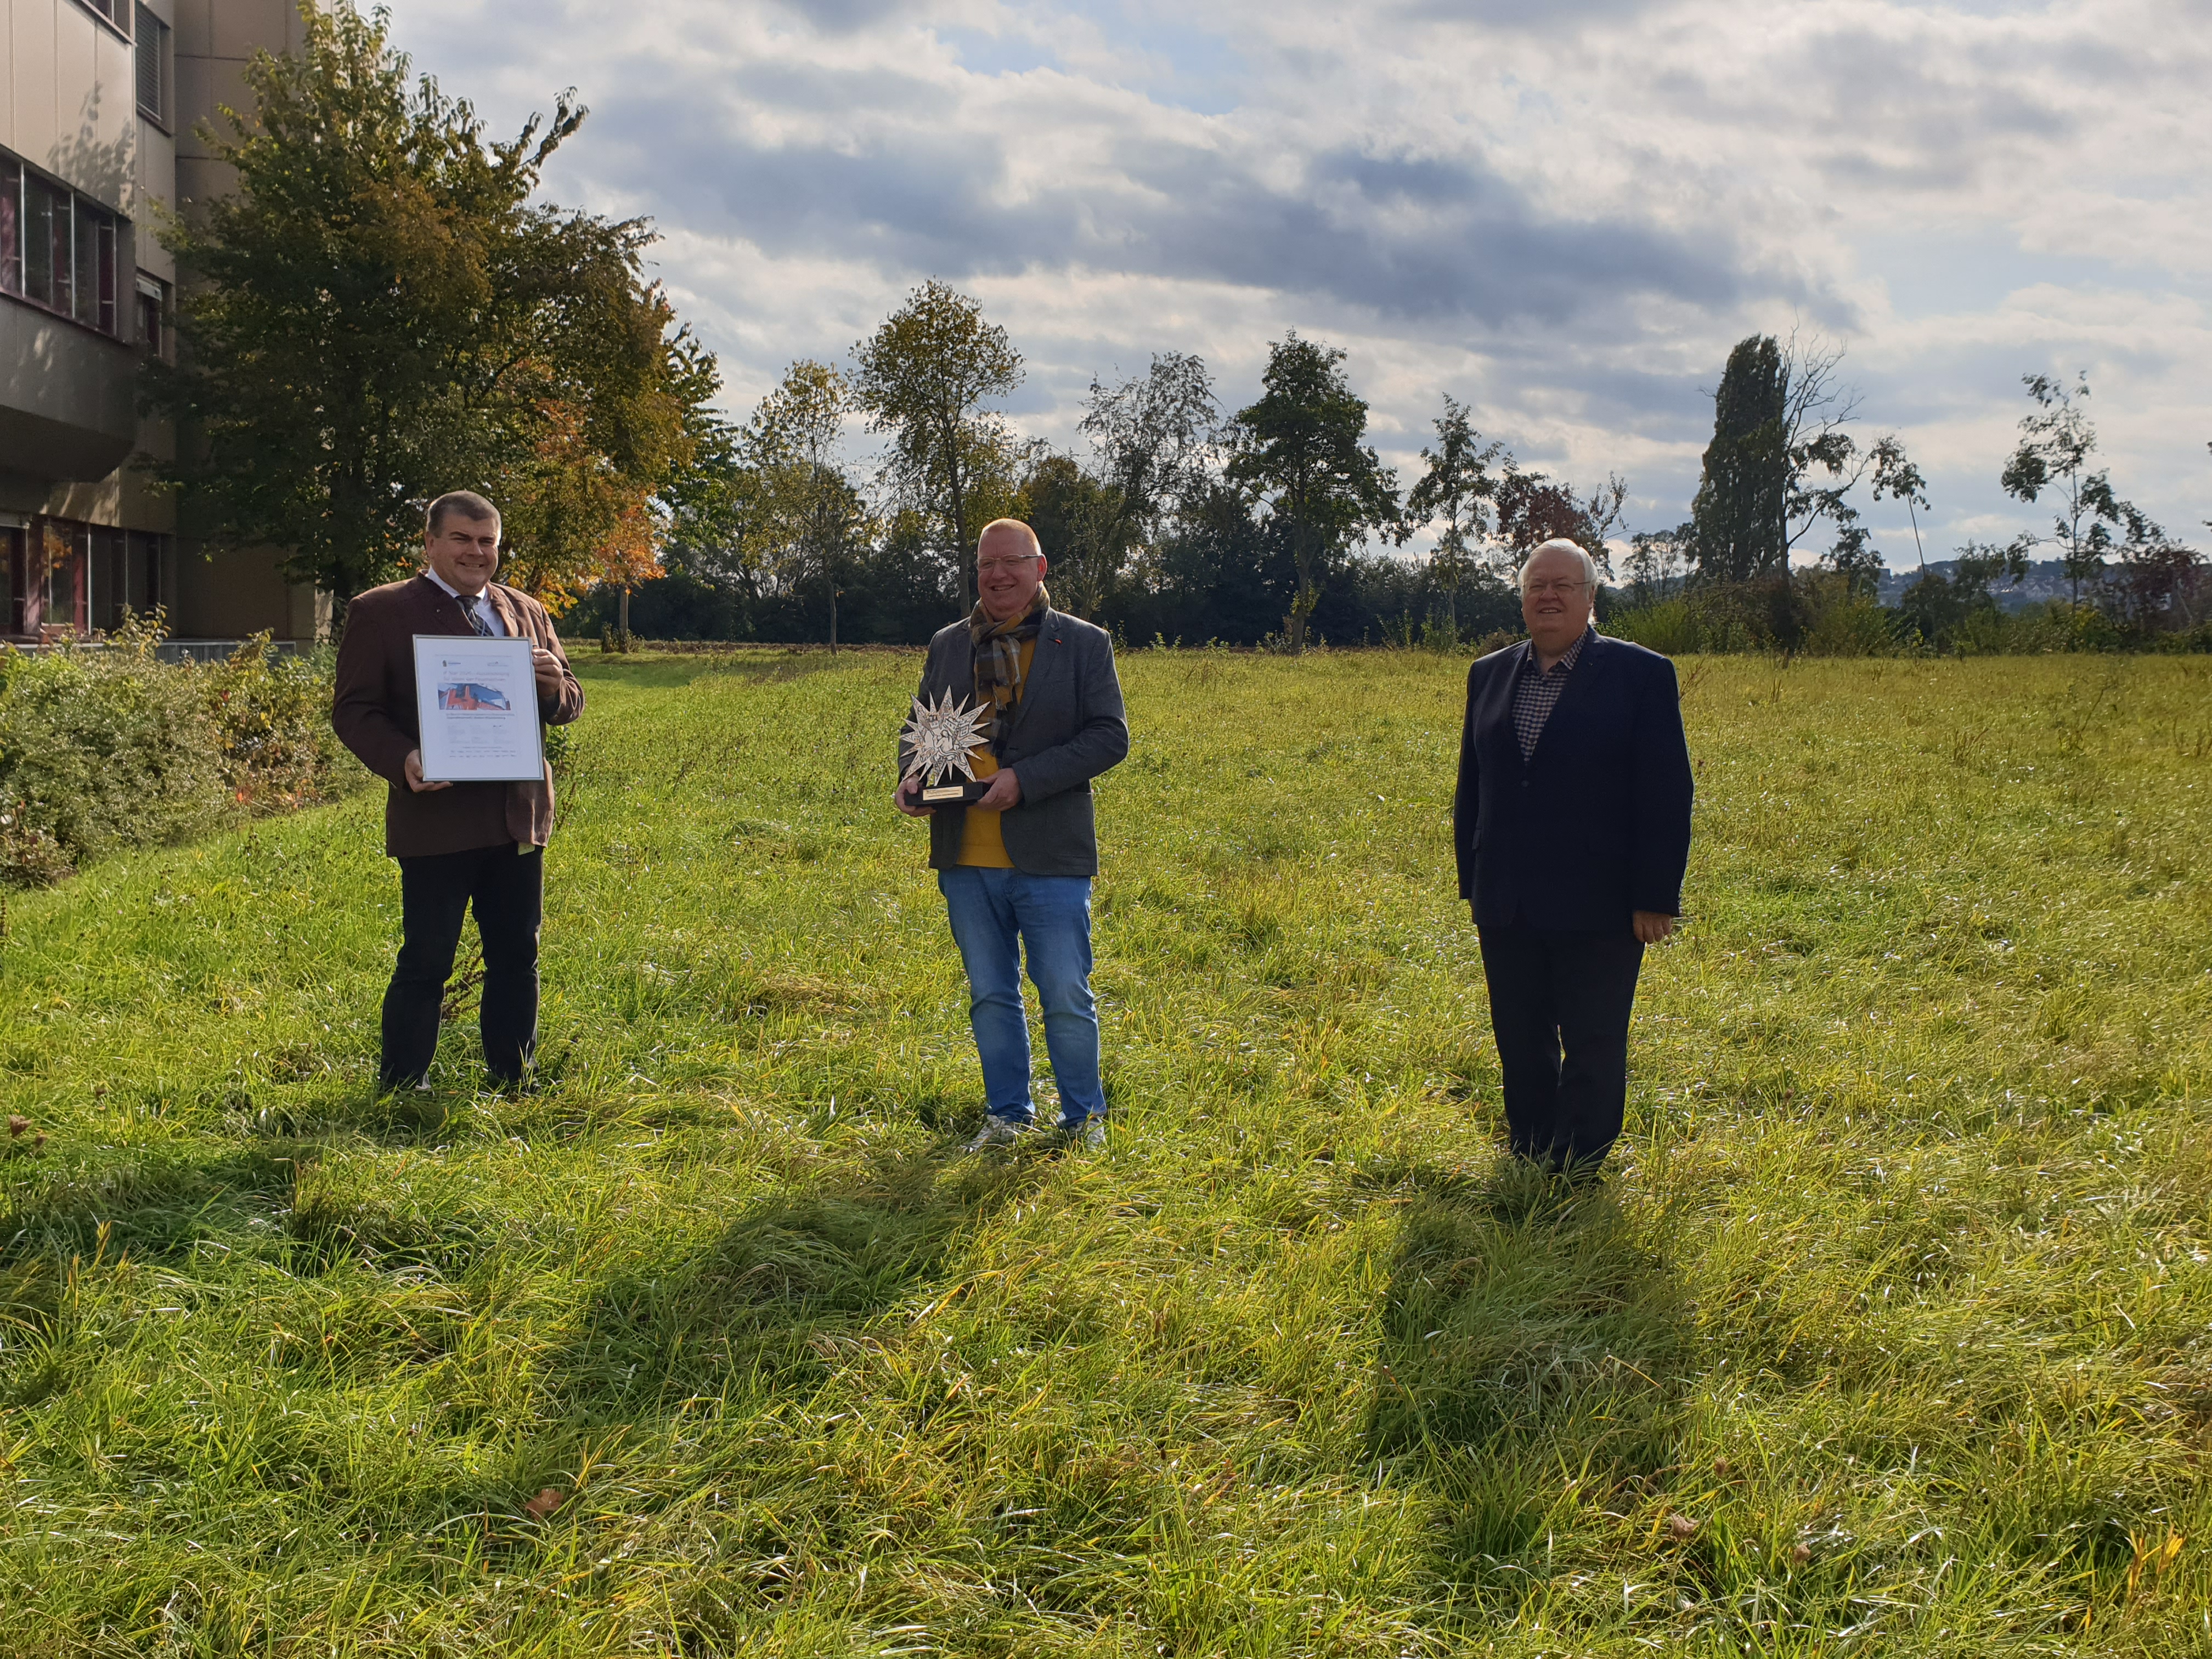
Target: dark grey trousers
{"points": [[1559, 1003], [507, 888]]}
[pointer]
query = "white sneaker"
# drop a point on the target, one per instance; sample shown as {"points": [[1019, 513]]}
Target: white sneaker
{"points": [[996, 1131], [1089, 1133]]}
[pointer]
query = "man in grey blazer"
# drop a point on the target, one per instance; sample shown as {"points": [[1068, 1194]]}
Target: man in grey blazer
{"points": [[1015, 868]]}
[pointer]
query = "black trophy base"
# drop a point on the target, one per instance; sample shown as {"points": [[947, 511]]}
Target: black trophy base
{"points": [[953, 791]]}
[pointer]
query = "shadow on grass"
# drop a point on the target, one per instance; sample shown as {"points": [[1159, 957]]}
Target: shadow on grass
{"points": [[764, 1303], [1534, 1348], [101, 1208], [154, 1204], [754, 1327]]}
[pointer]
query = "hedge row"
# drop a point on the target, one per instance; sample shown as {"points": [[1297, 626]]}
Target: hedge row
{"points": [[104, 748]]}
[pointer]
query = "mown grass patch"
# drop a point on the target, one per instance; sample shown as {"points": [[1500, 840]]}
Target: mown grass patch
{"points": [[1888, 1334]]}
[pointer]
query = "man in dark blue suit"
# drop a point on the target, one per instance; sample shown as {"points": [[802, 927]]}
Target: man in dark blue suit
{"points": [[1572, 823]]}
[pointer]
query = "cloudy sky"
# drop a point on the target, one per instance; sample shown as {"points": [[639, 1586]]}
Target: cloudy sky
{"points": [[1562, 213]]}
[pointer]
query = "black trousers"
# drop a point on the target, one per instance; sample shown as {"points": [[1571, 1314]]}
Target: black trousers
{"points": [[1559, 1003], [507, 889]]}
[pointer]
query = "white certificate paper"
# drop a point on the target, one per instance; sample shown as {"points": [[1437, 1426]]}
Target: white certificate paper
{"points": [[477, 703]]}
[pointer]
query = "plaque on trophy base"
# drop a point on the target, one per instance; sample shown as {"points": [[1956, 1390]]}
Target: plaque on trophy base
{"points": [[940, 740], [963, 791]]}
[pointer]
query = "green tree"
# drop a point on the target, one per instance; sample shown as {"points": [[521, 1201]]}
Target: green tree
{"points": [[1454, 492], [717, 506], [1937, 605], [1079, 524], [378, 312], [1780, 460], [1659, 561], [1896, 477], [1153, 440], [585, 488], [2090, 520], [1298, 451], [922, 378], [814, 518]]}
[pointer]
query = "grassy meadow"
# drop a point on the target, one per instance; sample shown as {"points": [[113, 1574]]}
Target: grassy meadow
{"points": [[1891, 1332]]}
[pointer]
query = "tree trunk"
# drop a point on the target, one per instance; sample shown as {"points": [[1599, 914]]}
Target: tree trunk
{"points": [[1304, 598], [959, 514], [622, 623]]}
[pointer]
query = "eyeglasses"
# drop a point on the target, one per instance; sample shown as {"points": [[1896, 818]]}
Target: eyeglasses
{"points": [[1537, 589], [1013, 563]]}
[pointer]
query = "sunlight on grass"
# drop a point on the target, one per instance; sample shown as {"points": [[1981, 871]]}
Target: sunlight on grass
{"points": [[1888, 1335]]}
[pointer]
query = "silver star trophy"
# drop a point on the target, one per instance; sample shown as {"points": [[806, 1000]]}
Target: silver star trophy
{"points": [[939, 739]]}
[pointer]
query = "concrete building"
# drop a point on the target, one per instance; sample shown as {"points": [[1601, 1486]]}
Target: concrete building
{"points": [[98, 100]]}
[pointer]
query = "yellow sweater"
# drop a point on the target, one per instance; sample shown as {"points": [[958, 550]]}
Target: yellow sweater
{"points": [[982, 843]]}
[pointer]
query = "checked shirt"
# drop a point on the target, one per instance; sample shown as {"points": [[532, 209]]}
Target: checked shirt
{"points": [[1536, 692]]}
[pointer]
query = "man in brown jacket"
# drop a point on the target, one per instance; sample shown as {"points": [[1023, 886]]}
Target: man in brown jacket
{"points": [[458, 845]]}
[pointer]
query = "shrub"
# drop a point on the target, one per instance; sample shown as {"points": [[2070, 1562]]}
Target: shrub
{"points": [[272, 730], [1670, 627], [104, 748], [1853, 628]]}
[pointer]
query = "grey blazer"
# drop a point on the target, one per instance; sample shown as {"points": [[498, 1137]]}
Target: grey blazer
{"points": [[1068, 727]]}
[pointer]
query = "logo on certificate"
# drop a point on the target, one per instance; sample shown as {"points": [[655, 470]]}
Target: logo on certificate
{"points": [[467, 694]]}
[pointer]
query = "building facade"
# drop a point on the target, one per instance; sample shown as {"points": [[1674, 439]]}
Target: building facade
{"points": [[99, 102]]}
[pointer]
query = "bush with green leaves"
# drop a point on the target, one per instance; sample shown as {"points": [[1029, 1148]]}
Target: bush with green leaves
{"points": [[106, 747]]}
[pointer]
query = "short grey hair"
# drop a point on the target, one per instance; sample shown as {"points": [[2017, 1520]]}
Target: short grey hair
{"points": [[1561, 545]]}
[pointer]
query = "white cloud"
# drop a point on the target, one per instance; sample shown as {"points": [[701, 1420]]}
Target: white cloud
{"points": [[1564, 215]]}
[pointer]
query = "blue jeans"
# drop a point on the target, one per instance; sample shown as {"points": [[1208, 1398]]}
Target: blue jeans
{"points": [[994, 913]]}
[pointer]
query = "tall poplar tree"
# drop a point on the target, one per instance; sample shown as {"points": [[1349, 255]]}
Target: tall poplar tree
{"points": [[1740, 510]]}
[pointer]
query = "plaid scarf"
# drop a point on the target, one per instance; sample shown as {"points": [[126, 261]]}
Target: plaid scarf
{"points": [[998, 651]]}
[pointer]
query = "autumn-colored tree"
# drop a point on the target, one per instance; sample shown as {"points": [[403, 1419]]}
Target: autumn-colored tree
{"points": [[571, 520], [379, 312]]}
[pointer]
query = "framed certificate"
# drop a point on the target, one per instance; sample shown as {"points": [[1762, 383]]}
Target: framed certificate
{"points": [[477, 699]]}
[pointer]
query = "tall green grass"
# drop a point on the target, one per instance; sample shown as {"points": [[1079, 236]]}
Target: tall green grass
{"points": [[1887, 1335]]}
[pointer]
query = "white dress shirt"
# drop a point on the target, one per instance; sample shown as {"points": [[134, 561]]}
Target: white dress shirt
{"points": [[481, 605]]}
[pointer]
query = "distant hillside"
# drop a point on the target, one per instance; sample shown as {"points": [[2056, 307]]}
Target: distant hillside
{"points": [[2046, 579]]}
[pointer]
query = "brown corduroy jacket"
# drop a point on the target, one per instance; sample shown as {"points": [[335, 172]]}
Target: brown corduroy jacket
{"points": [[373, 712]]}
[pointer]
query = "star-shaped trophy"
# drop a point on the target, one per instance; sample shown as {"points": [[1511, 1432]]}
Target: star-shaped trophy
{"points": [[939, 739]]}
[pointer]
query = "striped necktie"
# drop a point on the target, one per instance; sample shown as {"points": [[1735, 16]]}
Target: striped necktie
{"points": [[471, 609]]}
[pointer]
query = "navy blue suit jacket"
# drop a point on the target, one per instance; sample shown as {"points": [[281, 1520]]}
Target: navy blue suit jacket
{"points": [[1596, 823]]}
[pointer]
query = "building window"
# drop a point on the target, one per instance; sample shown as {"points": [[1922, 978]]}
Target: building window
{"points": [[15, 586], [153, 331], [95, 267], [61, 602], [46, 223], [153, 66], [114, 13], [11, 226], [61, 250], [58, 575], [146, 560]]}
